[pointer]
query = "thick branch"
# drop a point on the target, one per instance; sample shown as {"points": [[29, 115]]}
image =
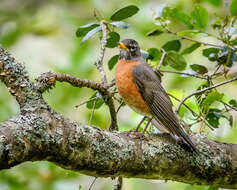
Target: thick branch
{"points": [[15, 77], [89, 150]]}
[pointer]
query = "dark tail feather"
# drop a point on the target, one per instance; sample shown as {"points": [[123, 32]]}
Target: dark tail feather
{"points": [[187, 140]]}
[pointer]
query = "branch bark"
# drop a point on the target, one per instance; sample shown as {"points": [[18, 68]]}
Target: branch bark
{"points": [[40, 133]]}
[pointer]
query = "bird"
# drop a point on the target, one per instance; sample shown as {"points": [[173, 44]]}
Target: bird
{"points": [[141, 89]]}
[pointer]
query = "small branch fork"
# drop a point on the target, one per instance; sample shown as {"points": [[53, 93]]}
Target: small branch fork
{"points": [[99, 65], [204, 90], [47, 80]]}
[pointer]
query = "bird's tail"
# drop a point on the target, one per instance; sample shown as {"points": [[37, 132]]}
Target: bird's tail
{"points": [[181, 134], [187, 140]]}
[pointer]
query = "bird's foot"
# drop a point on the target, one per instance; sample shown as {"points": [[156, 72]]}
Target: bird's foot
{"points": [[137, 134]]}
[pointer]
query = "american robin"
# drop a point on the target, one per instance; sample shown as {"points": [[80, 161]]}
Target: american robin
{"points": [[141, 89]]}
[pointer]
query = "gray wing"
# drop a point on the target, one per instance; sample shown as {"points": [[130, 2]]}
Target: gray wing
{"points": [[155, 96]]}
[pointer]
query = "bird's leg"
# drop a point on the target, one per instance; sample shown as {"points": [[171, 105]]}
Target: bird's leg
{"points": [[139, 125], [143, 132]]}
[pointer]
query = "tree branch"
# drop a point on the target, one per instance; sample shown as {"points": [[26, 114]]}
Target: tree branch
{"points": [[47, 80], [190, 39], [92, 151], [99, 63], [161, 59], [183, 73]]}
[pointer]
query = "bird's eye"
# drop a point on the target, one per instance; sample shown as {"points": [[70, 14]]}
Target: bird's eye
{"points": [[132, 48]]}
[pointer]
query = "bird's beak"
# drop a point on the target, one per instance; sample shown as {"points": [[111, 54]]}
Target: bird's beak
{"points": [[122, 45]]}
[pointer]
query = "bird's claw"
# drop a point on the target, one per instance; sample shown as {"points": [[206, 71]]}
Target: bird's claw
{"points": [[137, 134]]}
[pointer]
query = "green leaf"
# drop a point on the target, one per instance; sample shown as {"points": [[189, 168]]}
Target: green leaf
{"points": [[217, 24], [113, 40], [212, 188], [200, 16], [234, 42], [213, 117], [211, 53], [99, 101], [155, 32], [230, 119], [233, 8], [191, 48], [90, 34], [233, 103], [200, 69], [154, 54], [175, 60], [79, 187], [182, 17], [211, 98], [113, 61], [124, 13], [174, 45], [227, 56], [216, 3], [120, 24], [188, 32], [83, 30]]}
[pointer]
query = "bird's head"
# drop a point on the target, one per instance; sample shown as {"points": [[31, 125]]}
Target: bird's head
{"points": [[129, 49]]}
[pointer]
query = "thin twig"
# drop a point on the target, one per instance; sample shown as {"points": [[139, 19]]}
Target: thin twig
{"points": [[93, 110], [178, 100], [110, 84], [204, 43], [195, 122], [93, 182], [99, 63], [203, 121], [182, 73], [161, 59], [120, 106], [190, 39], [203, 90], [193, 112], [228, 105], [48, 80], [92, 99], [119, 183], [218, 67]]}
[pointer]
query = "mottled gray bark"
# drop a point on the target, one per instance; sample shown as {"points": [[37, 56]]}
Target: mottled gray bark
{"points": [[40, 133]]}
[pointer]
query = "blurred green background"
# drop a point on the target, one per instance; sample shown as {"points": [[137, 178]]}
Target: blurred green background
{"points": [[41, 33]]}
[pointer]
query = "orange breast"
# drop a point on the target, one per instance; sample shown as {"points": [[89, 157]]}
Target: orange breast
{"points": [[127, 88]]}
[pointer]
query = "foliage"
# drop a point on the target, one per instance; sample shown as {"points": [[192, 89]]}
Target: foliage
{"points": [[197, 42], [196, 22]]}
